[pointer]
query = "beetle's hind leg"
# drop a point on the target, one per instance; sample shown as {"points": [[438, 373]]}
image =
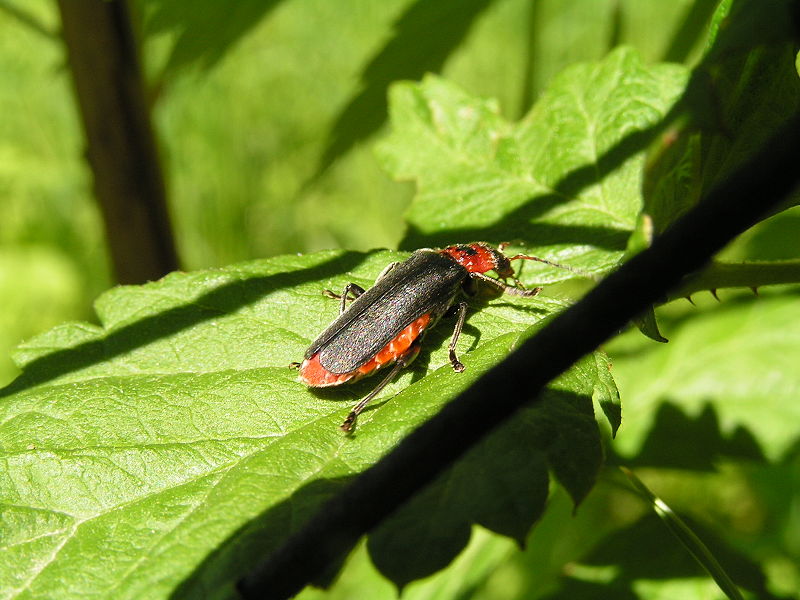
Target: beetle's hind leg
{"points": [[350, 289], [350, 421], [402, 361], [461, 316]]}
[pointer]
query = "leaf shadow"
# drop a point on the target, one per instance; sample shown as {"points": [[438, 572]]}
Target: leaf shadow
{"points": [[678, 440], [700, 105], [424, 36], [477, 475], [689, 31], [240, 551], [206, 31], [517, 223], [658, 557], [222, 300]]}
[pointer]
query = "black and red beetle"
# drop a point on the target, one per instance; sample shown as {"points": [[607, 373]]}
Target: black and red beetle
{"points": [[385, 324]]}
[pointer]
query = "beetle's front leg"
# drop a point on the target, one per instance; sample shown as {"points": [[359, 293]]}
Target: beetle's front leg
{"points": [[355, 289], [504, 287], [351, 288], [387, 269]]}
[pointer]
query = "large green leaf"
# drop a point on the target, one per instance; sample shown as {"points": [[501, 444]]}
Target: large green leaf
{"points": [[174, 444], [501, 484], [565, 180], [191, 371], [725, 385]]}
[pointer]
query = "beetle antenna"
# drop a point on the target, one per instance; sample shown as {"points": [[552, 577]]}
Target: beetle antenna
{"points": [[575, 270]]}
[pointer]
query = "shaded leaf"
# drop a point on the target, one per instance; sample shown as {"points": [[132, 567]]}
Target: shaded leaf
{"points": [[742, 91], [501, 484], [736, 360], [564, 182], [659, 568]]}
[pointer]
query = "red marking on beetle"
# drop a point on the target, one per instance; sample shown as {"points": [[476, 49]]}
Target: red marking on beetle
{"points": [[480, 258], [313, 374], [474, 258]]}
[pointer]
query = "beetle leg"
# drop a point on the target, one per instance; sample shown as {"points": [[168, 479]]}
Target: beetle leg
{"points": [[351, 288], [504, 287], [355, 289], [350, 421], [515, 291], [402, 361], [458, 367]]}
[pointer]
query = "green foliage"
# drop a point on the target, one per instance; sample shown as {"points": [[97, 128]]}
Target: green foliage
{"points": [[39, 288], [546, 179], [52, 253], [739, 94], [704, 382], [192, 371], [164, 451]]}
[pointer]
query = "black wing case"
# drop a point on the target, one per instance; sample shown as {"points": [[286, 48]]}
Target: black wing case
{"points": [[425, 283]]}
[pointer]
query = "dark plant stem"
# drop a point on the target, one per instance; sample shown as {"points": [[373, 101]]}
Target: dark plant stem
{"points": [[121, 147], [739, 202]]}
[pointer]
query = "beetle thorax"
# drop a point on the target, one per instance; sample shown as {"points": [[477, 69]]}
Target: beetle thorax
{"points": [[479, 257]]}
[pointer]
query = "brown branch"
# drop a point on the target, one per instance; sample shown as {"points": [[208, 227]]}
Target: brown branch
{"points": [[121, 147]]}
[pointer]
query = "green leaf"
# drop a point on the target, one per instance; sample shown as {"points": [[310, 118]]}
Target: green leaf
{"points": [[565, 181], [725, 385], [606, 394], [172, 446], [501, 484]]}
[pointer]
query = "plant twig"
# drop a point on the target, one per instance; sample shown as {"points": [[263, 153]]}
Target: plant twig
{"points": [[686, 536], [719, 275]]}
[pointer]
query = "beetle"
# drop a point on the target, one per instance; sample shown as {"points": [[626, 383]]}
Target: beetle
{"points": [[384, 325]]}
